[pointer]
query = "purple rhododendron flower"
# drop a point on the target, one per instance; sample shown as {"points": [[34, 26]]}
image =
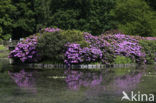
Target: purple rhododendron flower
{"points": [[102, 48], [25, 51]]}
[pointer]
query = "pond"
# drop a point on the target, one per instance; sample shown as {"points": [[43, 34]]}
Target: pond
{"points": [[23, 85]]}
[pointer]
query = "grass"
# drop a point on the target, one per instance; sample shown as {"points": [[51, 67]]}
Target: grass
{"points": [[3, 52], [2, 48]]}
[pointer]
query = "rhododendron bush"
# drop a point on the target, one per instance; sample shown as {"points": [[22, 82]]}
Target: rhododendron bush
{"points": [[76, 54], [85, 49], [25, 51], [104, 49], [127, 46]]}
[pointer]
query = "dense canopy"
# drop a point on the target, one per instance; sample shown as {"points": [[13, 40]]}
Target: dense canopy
{"points": [[21, 18]]}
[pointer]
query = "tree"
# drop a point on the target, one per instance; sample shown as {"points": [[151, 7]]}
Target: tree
{"points": [[42, 13], [24, 18], [134, 17], [6, 20], [152, 3], [86, 15]]}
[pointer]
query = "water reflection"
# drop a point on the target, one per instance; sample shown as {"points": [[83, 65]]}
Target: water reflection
{"points": [[102, 81], [76, 79], [24, 80], [127, 82]]}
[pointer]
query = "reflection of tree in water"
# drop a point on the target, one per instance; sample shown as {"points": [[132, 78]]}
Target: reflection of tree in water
{"points": [[23, 79], [76, 79]]}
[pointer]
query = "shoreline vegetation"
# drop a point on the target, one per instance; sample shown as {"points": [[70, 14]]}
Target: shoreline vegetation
{"points": [[22, 18], [103, 32], [73, 47], [4, 52]]}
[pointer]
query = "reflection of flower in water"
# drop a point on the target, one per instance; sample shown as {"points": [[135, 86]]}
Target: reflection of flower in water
{"points": [[76, 79], [116, 86], [23, 79], [127, 82]]}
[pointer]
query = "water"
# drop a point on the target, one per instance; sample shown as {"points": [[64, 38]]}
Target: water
{"points": [[23, 85]]}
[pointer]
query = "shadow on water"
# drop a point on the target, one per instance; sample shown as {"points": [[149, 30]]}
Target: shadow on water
{"points": [[21, 85]]}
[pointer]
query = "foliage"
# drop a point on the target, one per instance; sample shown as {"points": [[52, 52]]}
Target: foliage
{"points": [[103, 45], [24, 18], [74, 36], [76, 47], [75, 54], [21, 18], [42, 13], [2, 47], [3, 52], [104, 49], [149, 47], [134, 17], [6, 19], [152, 3], [126, 45], [51, 46], [25, 51], [85, 15], [122, 60], [91, 54]]}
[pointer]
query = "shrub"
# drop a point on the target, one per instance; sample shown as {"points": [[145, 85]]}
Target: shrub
{"points": [[104, 49], [76, 54], [51, 44], [149, 47], [25, 51], [102, 44], [73, 54], [99, 50], [126, 45], [122, 60], [74, 36], [92, 54]]}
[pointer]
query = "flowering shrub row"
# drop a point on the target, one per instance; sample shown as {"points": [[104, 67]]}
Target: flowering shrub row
{"points": [[85, 48], [104, 49]]}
